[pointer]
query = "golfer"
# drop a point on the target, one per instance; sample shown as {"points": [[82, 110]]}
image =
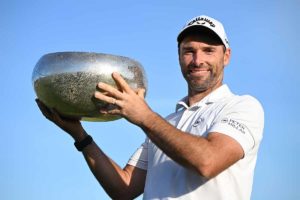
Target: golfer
{"points": [[206, 149]]}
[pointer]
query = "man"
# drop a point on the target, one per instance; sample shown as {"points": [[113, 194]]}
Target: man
{"points": [[207, 149]]}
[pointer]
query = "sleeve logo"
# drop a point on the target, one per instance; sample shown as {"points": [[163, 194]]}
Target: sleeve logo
{"points": [[234, 124]]}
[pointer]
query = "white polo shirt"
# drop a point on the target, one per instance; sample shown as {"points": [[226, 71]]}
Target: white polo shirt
{"points": [[240, 117]]}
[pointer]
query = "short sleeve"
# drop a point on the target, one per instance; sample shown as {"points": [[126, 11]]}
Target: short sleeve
{"points": [[140, 157], [243, 120]]}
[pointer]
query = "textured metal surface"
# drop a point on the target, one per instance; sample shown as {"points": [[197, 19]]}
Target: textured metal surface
{"points": [[67, 81]]}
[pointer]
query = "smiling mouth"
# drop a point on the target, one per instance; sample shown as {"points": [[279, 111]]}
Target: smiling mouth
{"points": [[199, 71]]}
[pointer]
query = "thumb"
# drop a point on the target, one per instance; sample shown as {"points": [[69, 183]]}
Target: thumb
{"points": [[141, 92]]}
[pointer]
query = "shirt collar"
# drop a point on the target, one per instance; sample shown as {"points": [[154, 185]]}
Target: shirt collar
{"points": [[220, 93]]}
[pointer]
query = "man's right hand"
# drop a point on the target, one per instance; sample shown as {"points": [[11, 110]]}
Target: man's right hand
{"points": [[72, 126]]}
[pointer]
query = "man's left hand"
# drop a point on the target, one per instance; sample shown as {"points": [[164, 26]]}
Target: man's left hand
{"points": [[129, 103]]}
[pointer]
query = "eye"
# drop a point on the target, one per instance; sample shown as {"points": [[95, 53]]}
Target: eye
{"points": [[188, 51], [209, 50]]}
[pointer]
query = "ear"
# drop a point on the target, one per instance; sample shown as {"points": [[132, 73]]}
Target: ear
{"points": [[227, 56], [179, 56]]}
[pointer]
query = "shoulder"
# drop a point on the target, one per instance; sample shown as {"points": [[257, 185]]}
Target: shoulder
{"points": [[242, 118], [245, 108], [246, 103]]}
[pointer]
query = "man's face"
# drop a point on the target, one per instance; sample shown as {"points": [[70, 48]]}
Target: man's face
{"points": [[202, 62]]}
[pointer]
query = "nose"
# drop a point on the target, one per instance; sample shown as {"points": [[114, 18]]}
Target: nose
{"points": [[198, 58]]}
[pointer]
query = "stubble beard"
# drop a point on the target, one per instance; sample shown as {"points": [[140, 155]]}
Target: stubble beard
{"points": [[203, 84], [196, 85]]}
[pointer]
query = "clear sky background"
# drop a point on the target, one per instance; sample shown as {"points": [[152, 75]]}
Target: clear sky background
{"points": [[39, 161]]}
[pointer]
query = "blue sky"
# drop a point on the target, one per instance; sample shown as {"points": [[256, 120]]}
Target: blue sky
{"points": [[39, 161]]}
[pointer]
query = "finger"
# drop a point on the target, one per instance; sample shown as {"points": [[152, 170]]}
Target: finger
{"points": [[44, 109], [108, 90], [102, 97], [59, 117], [49, 113], [121, 82], [56, 114], [111, 112]]}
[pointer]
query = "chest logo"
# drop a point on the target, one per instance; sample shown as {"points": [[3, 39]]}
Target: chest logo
{"points": [[198, 122]]}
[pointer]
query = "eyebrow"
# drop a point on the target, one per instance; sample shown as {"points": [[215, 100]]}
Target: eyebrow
{"points": [[187, 48], [202, 48], [210, 47]]}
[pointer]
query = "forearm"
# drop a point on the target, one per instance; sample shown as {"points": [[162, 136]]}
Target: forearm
{"points": [[114, 180], [103, 168], [111, 177], [186, 149], [117, 182]]}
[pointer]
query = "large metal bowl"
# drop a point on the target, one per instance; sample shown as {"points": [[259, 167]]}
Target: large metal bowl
{"points": [[67, 81]]}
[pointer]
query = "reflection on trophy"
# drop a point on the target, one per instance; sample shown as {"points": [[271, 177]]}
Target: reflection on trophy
{"points": [[67, 81]]}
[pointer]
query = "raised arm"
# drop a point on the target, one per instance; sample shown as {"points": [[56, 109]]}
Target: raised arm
{"points": [[207, 156], [119, 183]]}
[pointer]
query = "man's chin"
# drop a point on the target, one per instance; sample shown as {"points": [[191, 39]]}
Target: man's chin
{"points": [[201, 85], [199, 88]]}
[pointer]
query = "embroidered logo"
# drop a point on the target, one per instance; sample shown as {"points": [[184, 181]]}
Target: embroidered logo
{"points": [[235, 124], [201, 20], [198, 122]]}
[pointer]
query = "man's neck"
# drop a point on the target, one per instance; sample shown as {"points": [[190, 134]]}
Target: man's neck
{"points": [[195, 97]]}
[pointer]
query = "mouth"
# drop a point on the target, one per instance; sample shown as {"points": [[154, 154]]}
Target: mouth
{"points": [[196, 71]]}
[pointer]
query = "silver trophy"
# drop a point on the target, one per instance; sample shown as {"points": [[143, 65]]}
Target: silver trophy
{"points": [[67, 81]]}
